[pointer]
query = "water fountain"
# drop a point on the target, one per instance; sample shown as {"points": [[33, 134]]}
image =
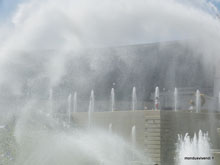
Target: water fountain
{"points": [[133, 136], [219, 101], [69, 111], [91, 107], [51, 111], [189, 151], [75, 102], [175, 99], [134, 99], [133, 139], [68, 57], [112, 99], [198, 101], [157, 98], [92, 102], [110, 127]]}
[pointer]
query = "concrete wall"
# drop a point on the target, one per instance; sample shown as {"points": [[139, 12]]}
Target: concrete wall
{"points": [[156, 131], [147, 127], [174, 123]]}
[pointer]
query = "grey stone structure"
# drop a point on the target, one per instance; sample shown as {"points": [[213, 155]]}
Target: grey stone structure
{"points": [[156, 130]]}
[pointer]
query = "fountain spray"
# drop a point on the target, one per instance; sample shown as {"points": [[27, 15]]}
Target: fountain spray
{"points": [[219, 101], [69, 107], [75, 102], [188, 149], [110, 127], [175, 99], [112, 99], [133, 139], [134, 99], [91, 107], [198, 101], [51, 102], [157, 98]]}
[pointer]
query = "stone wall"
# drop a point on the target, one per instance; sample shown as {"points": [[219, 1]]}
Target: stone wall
{"points": [[147, 125], [156, 131]]}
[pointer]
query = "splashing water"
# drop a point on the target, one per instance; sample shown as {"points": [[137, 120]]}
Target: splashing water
{"points": [[133, 136], [198, 101], [91, 107], [156, 99], [51, 102], [219, 101], [133, 139], [73, 21], [75, 102], [41, 140], [112, 99], [110, 127], [92, 102], [190, 149], [175, 99], [134, 99], [69, 108]]}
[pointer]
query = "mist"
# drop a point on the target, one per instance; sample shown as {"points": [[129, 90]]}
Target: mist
{"points": [[72, 45], [51, 50]]}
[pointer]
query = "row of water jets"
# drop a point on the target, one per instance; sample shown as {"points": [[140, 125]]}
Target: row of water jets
{"points": [[72, 101], [175, 95], [91, 101]]}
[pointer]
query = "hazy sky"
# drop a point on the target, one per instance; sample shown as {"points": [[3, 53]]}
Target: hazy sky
{"points": [[8, 6]]}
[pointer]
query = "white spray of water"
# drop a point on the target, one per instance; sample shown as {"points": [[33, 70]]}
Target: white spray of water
{"points": [[134, 99], [112, 99], [41, 140], [92, 102], [84, 24], [175, 99], [51, 102], [157, 98], [69, 111], [188, 150], [91, 107], [110, 127], [133, 139], [198, 101], [133, 135], [75, 102], [219, 101]]}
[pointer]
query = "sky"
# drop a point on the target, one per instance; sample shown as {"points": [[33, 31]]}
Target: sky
{"points": [[217, 3], [10, 10], [7, 7]]}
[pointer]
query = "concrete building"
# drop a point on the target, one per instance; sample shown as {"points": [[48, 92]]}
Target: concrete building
{"points": [[145, 66], [166, 64]]}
